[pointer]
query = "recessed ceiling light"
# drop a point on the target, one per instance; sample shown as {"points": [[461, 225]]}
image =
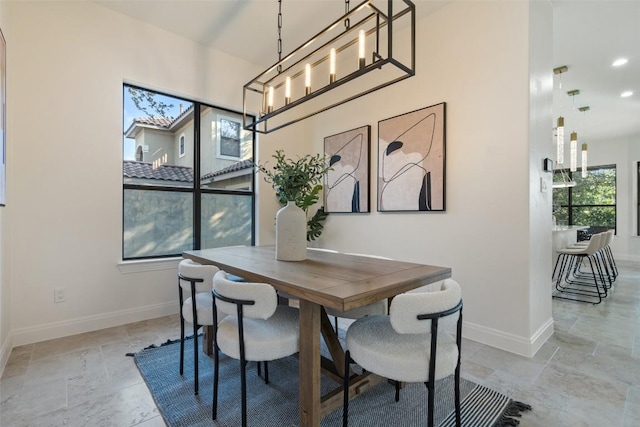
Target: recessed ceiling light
{"points": [[619, 62], [626, 94]]}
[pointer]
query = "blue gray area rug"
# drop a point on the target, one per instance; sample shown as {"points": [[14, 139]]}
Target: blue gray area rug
{"points": [[276, 404]]}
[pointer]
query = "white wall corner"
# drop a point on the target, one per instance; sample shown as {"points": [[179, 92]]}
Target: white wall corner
{"points": [[522, 346]]}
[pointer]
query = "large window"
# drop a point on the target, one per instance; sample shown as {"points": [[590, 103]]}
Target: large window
{"points": [[591, 202], [167, 142]]}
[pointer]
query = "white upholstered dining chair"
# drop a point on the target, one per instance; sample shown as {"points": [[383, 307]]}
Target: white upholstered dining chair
{"points": [[195, 282], [411, 344], [255, 329]]}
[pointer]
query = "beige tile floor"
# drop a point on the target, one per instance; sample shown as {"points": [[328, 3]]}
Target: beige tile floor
{"points": [[587, 374]]}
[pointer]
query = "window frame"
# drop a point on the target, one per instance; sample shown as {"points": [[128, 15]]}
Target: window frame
{"points": [[220, 117], [182, 145], [196, 189], [570, 206]]}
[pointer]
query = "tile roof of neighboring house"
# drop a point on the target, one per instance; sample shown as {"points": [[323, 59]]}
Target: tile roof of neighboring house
{"points": [[244, 164], [161, 122], [143, 170], [164, 122]]}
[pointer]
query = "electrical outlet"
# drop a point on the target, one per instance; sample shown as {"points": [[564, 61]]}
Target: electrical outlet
{"points": [[58, 295]]}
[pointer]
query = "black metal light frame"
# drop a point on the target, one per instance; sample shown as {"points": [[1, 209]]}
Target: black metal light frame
{"points": [[255, 117]]}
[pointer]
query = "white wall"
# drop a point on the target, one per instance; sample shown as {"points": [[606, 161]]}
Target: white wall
{"points": [[70, 60], [540, 182]]}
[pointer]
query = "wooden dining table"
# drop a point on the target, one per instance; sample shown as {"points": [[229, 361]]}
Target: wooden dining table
{"points": [[325, 279]]}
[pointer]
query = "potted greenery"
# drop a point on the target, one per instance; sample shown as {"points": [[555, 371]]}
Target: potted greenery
{"points": [[300, 182]]}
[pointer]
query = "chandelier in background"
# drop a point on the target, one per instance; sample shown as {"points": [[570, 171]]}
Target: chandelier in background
{"points": [[565, 179], [368, 48], [560, 126]]}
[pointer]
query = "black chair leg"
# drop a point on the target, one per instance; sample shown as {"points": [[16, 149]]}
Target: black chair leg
{"points": [[181, 330], [457, 396], [195, 356], [432, 402], [266, 371], [397, 391], [345, 391], [216, 365], [457, 372], [243, 390], [181, 344]]}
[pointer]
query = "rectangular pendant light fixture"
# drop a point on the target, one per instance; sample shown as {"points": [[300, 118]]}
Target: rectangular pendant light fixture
{"points": [[369, 48]]}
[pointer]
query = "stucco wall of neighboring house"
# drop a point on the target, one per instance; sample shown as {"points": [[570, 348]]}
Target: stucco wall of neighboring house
{"points": [[162, 145], [159, 147]]}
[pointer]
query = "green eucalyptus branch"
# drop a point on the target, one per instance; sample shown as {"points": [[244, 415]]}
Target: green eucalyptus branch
{"points": [[299, 181]]}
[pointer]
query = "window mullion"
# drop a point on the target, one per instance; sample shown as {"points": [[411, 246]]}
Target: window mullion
{"points": [[197, 195]]}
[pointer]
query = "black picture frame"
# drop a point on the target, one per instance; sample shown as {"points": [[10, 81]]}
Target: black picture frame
{"points": [[347, 185], [412, 161]]}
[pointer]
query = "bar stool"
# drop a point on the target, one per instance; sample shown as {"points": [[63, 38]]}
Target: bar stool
{"points": [[571, 280]]}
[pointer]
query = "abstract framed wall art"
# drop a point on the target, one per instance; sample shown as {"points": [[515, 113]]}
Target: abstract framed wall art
{"points": [[347, 187], [411, 161]]}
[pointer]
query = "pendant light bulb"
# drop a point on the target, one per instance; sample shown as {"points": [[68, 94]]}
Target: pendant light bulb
{"points": [[574, 152], [287, 90], [361, 56], [560, 141], [584, 161], [332, 65], [307, 79]]}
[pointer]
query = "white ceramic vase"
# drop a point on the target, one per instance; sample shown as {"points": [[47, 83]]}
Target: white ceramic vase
{"points": [[291, 233]]}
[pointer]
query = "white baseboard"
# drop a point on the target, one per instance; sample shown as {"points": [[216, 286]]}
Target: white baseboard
{"points": [[33, 334], [522, 346]]}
